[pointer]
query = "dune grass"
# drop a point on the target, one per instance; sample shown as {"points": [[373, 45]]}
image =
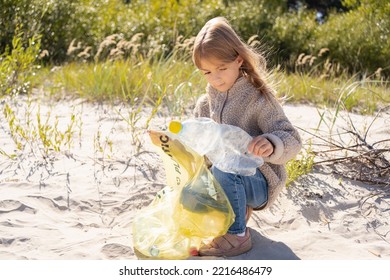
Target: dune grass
{"points": [[363, 96], [180, 84], [142, 81]]}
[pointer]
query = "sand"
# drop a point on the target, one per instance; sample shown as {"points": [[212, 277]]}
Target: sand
{"points": [[79, 203]]}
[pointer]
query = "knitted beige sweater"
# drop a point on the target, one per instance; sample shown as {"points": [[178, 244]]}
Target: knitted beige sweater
{"points": [[244, 107]]}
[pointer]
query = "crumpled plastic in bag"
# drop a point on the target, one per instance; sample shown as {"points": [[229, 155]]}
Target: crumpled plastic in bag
{"points": [[192, 207]]}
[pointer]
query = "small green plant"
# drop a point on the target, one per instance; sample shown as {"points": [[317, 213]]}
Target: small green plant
{"points": [[299, 166], [43, 136], [133, 119], [17, 131], [50, 136]]}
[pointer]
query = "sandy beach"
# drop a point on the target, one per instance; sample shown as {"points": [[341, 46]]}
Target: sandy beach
{"points": [[79, 203]]}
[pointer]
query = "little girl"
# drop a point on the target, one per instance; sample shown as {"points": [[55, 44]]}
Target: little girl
{"points": [[237, 94]]}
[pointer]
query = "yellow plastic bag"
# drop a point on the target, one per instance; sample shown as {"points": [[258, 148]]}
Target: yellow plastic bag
{"points": [[192, 207]]}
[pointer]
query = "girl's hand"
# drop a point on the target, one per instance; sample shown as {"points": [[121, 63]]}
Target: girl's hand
{"points": [[260, 146]]}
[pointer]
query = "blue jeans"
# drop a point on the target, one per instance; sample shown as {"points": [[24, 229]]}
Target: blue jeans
{"points": [[242, 191]]}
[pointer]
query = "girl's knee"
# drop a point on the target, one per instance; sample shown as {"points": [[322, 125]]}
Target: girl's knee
{"points": [[222, 176]]}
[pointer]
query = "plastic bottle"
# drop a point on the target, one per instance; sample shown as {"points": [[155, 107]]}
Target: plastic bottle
{"points": [[226, 146]]}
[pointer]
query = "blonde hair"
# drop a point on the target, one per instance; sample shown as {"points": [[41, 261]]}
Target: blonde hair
{"points": [[218, 40]]}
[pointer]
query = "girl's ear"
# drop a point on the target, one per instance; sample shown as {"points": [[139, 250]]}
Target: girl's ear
{"points": [[239, 60]]}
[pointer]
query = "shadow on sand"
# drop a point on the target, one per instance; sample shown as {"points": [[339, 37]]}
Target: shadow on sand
{"points": [[262, 249]]}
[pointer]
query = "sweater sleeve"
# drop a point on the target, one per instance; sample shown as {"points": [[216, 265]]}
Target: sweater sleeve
{"points": [[202, 108], [280, 132]]}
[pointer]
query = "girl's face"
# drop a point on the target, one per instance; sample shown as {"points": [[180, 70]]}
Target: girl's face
{"points": [[219, 74]]}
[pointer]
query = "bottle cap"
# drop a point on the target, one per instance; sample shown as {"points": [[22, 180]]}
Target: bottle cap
{"points": [[175, 127]]}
